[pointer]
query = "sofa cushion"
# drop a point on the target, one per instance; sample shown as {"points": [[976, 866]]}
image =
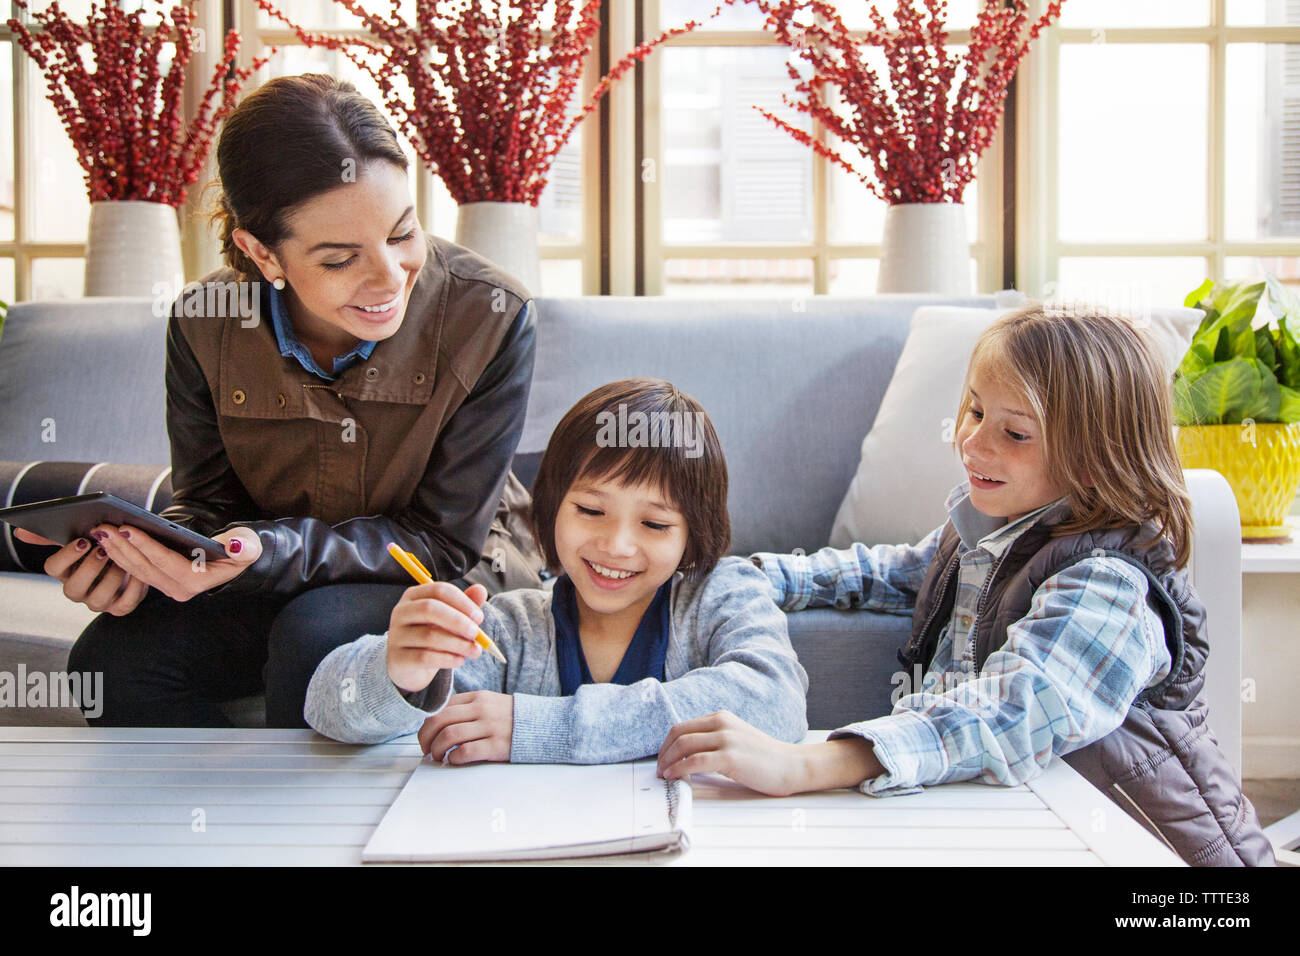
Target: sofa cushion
{"points": [[21, 483], [907, 458], [790, 385], [907, 465], [851, 658], [82, 380]]}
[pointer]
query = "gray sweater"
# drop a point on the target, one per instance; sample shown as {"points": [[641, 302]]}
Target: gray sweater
{"points": [[728, 649]]}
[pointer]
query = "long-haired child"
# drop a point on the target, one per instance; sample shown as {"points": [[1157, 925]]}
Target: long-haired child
{"points": [[1052, 612], [647, 625]]}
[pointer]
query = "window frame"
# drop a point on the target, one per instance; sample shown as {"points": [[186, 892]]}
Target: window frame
{"points": [[986, 248], [1039, 247]]}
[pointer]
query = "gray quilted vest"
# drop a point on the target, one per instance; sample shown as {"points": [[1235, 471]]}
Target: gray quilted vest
{"points": [[1162, 765]]}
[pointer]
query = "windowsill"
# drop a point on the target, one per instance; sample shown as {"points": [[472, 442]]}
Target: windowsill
{"points": [[1274, 558]]}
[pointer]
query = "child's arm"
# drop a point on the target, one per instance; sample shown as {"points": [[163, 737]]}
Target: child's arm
{"points": [[741, 661], [1066, 677], [886, 577], [383, 686]]}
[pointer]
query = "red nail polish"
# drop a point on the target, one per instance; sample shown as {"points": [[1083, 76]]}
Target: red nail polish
{"points": [[125, 533], [101, 553], [82, 544], [235, 546], [99, 535]]}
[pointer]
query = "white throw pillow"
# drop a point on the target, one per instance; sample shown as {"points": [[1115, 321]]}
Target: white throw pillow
{"points": [[908, 465]]}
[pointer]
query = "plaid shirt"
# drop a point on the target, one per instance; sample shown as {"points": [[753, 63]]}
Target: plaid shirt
{"points": [[1066, 676]]}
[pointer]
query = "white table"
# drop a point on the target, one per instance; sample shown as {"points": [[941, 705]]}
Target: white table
{"points": [[1278, 559], [171, 797]]}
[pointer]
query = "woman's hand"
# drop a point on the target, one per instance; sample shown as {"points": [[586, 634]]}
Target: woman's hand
{"points": [[176, 575], [114, 569], [723, 743], [88, 576], [472, 727], [432, 628]]}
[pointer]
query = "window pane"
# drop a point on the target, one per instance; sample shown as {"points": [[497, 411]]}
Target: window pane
{"points": [[1256, 267], [673, 13], [1127, 284], [80, 9], [560, 207], [58, 210], [1135, 13], [58, 278], [1263, 13], [7, 140], [1132, 161], [859, 217], [960, 15], [854, 277], [562, 277], [1263, 140], [729, 174], [317, 14], [856, 215], [746, 278], [8, 281]]}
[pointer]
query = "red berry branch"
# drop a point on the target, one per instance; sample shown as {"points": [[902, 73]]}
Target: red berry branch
{"points": [[924, 127], [482, 89], [123, 115]]}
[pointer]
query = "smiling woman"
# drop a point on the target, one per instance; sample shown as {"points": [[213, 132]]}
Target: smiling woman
{"points": [[377, 395]]}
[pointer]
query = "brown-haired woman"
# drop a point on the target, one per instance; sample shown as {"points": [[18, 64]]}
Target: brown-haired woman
{"points": [[376, 393], [648, 623]]}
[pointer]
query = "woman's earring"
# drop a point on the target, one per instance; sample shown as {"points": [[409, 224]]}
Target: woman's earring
{"points": [[278, 283]]}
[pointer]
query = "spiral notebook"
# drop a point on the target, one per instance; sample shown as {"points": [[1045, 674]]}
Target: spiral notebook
{"points": [[497, 811]]}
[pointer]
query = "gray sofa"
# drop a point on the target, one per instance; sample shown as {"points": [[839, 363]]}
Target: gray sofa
{"points": [[791, 387]]}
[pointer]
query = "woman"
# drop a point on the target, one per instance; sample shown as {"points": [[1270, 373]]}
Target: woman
{"points": [[377, 394]]}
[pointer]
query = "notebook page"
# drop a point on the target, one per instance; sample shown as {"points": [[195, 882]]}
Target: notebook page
{"points": [[497, 811]]}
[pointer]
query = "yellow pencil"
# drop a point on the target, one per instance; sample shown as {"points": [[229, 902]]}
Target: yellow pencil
{"points": [[416, 570]]}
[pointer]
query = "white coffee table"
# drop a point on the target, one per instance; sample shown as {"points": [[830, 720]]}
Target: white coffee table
{"points": [[171, 797]]}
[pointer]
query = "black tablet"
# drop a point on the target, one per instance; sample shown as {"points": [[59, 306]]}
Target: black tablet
{"points": [[66, 519]]}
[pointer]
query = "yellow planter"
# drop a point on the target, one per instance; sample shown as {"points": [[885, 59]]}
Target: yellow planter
{"points": [[1261, 463]]}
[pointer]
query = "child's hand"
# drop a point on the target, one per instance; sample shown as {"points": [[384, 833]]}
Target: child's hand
{"points": [[723, 743], [432, 628], [475, 726]]}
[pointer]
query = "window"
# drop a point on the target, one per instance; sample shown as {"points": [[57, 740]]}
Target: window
{"points": [[1157, 142], [733, 205], [563, 226], [44, 209], [1160, 145]]}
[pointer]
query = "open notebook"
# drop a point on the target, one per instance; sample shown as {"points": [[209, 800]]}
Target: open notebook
{"points": [[497, 811]]}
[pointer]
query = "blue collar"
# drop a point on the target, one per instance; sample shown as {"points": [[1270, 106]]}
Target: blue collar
{"points": [[644, 657], [290, 347]]}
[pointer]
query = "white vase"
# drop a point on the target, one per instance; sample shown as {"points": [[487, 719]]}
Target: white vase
{"points": [[925, 249], [131, 247], [506, 233]]}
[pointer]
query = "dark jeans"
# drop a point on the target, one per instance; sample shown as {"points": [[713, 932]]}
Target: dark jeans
{"points": [[170, 664]]}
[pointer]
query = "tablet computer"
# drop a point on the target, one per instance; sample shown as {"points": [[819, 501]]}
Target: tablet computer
{"points": [[66, 519]]}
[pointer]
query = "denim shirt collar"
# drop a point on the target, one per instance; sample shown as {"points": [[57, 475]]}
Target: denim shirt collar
{"points": [[290, 347], [995, 535]]}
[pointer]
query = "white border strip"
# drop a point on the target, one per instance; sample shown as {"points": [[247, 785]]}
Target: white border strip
{"points": [[85, 479], [153, 490], [9, 500]]}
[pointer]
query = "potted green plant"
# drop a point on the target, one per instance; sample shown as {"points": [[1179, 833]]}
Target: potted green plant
{"points": [[1237, 399]]}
